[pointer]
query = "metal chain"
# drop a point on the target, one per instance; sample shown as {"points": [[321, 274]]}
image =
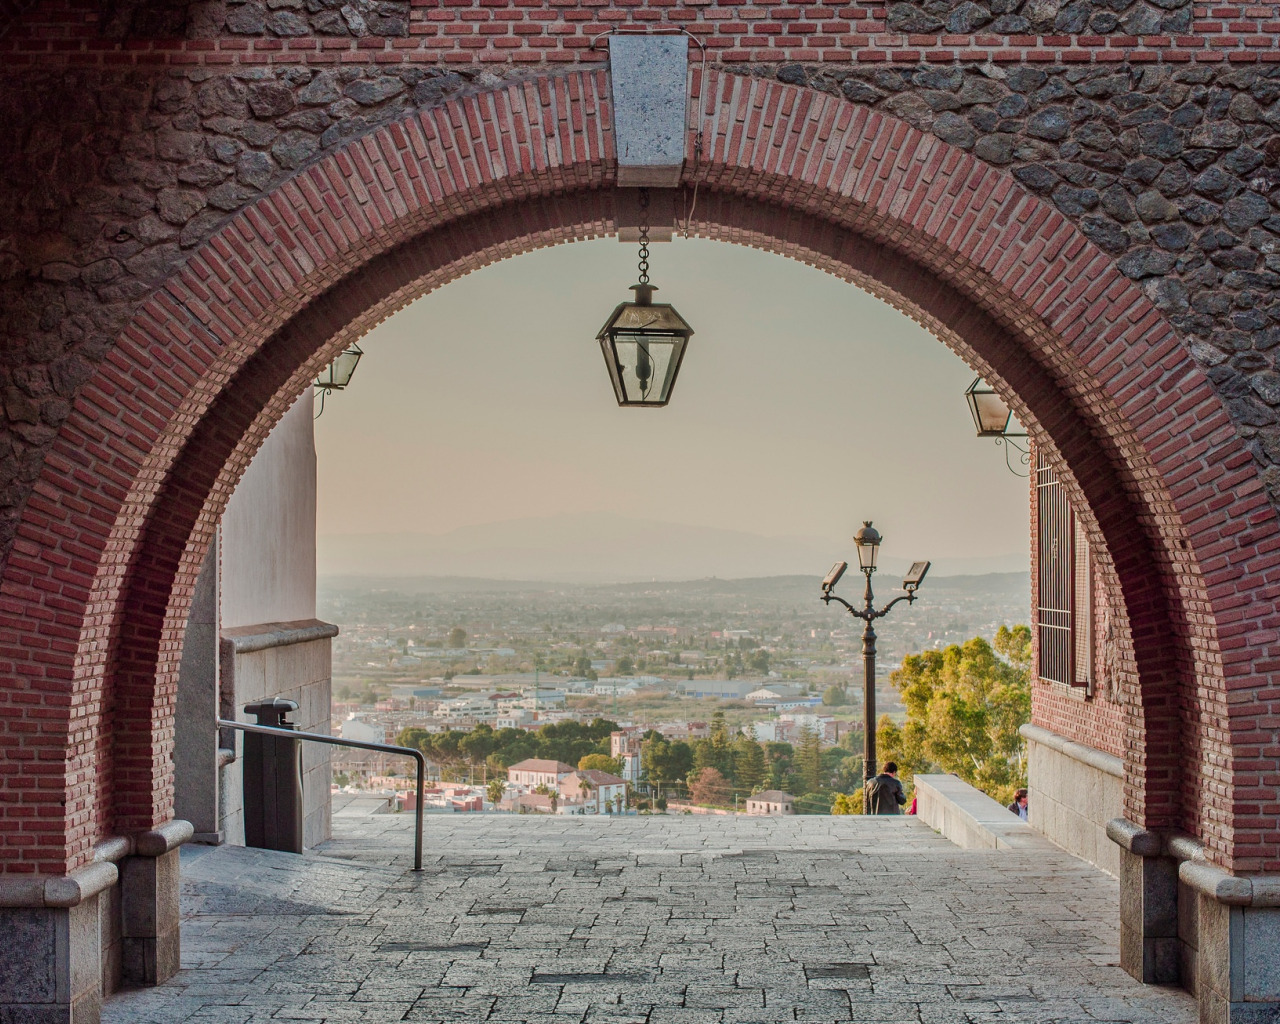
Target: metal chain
{"points": [[644, 236]]}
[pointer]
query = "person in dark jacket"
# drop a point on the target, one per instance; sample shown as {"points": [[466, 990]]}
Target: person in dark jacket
{"points": [[884, 793], [1019, 805]]}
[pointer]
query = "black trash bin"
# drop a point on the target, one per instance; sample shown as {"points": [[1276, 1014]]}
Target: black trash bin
{"points": [[273, 780]]}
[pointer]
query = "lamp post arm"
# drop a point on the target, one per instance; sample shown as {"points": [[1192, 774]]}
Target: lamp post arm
{"points": [[908, 597], [855, 612]]}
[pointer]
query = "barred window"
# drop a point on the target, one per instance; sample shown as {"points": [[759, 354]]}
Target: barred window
{"points": [[1064, 612]]}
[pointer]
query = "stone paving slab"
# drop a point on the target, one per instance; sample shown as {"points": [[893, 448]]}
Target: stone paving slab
{"points": [[646, 920]]}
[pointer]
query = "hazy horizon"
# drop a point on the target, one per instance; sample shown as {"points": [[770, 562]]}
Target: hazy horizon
{"points": [[803, 407], [582, 548]]}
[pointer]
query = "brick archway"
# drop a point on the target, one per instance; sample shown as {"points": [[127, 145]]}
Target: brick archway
{"points": [[108, 550]]}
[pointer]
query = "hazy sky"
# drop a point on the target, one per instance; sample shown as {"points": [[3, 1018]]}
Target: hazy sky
{"points": [[804, 406]]}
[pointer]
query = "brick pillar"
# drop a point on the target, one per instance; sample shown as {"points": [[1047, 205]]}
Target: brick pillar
{"points": [[150, 917]]}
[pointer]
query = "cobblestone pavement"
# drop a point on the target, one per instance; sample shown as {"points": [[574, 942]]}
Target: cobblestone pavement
{"points": [[662, 920]]}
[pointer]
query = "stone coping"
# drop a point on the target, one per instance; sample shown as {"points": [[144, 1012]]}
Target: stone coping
{"points": [[264, 635], [60, 890], [1094, 758], [1194, 868], [970, 818], [73, 889]]}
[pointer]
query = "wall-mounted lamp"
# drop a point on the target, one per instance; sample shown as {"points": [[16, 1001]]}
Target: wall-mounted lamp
{"points": [[337, 375], [992, 417]]}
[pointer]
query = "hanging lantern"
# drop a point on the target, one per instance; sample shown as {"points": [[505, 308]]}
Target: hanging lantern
{"points": [[643, 342]]}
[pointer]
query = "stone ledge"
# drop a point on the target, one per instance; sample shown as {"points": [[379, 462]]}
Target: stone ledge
{"points": [[266, 635], [71, 890], [970, 818], [1133, 838], [1094, 758], [166, 837], [1194, 870], [113, 849], [59, 891]]}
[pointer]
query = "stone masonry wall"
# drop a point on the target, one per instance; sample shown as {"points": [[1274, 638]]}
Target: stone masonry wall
{"points": [[114, 174]]}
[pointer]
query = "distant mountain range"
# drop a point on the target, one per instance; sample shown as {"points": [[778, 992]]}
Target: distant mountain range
{"points": [[603, 547], [1013, 585]]}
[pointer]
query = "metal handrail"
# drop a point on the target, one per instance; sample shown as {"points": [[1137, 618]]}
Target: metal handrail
{"points": [[338, 741]]}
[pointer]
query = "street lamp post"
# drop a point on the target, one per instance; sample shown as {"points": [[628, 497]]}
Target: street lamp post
{"points": [[868, 541]]}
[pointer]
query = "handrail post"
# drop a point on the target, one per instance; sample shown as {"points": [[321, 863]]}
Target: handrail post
{"points": [[338, 741], [422, 797]]}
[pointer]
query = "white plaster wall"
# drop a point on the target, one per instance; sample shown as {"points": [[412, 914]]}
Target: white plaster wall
{"points": [[267, 585], [268, 532]]}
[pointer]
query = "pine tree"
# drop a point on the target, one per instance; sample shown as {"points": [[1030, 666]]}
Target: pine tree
{"points": [[721, 756], [749, 762], [809, 759]]}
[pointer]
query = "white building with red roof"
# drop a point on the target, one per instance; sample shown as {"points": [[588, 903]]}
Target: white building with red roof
{"points": [[538, 771]]}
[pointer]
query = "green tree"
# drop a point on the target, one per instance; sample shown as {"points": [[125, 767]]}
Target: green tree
{"points": [[478, 744], [704, 755], [809, 760], [1015, 645], [834, 696], [965, 705], [721, 746], [664, 762], [457, 637], [778, 758], [625, 665], [748, 762], [600, 762], [844, 803], [759, 660], [496, 789]]}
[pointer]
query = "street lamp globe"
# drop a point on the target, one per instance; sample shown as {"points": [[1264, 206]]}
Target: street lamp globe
{"points": [[868, 541], [643, 343]]}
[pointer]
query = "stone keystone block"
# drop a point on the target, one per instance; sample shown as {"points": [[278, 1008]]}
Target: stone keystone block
{"points": [[650, 108]]}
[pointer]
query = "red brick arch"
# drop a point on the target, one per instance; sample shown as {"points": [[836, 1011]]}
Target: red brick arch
{"points": [[97, 589]]}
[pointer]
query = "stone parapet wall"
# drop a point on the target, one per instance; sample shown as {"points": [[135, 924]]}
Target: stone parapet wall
{"points": [[970, 818], [1073, 791]]}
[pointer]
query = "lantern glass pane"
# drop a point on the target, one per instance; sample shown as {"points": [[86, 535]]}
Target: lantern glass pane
{"points": [[344, 367], [867, 555], [646, 366], [990, 414]]}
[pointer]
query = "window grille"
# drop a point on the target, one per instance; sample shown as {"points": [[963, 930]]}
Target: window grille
{"points": [[1056, 577], [1082, 607]]}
